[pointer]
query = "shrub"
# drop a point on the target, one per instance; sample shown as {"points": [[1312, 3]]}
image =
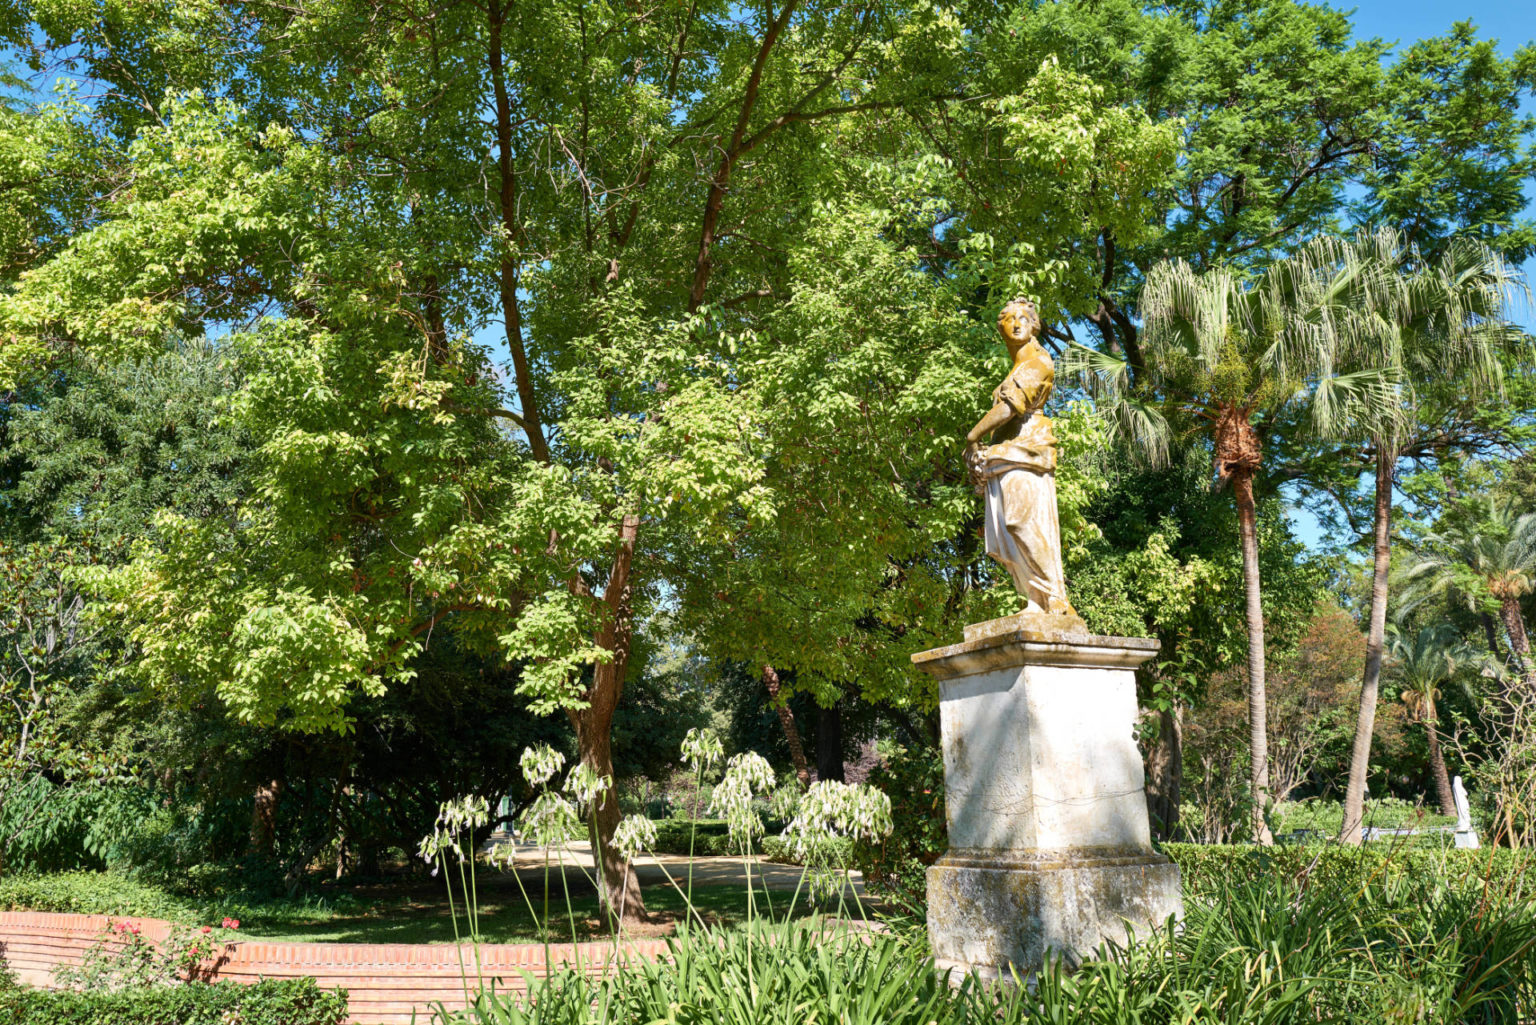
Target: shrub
{"points": [[271, 1002], [710, 839], [91, 893], [913, 778], [840, 851], [1207, 868]]}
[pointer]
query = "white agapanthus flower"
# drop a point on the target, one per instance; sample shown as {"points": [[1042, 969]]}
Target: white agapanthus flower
{"points": [[549, 820], [754, 769], [540, 764], [785, 801], [857, 811], [585, 786], [432, 845], [702, 748], [469, 812], [635, 833], [746, 776]]}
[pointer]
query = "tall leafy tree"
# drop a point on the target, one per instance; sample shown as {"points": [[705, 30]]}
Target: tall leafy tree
{"points": [[634, 196], [1452, 154]]}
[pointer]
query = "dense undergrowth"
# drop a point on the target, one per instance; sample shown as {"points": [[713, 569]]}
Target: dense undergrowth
{"points": [[1255, 948]]}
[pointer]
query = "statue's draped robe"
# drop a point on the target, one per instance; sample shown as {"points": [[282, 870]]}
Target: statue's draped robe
{"points": [[1022, 529]]}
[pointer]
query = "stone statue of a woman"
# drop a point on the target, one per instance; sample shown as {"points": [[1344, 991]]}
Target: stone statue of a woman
{"points": [[1018, 469]]}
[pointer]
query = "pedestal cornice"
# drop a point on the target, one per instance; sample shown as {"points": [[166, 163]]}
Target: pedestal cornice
{"points": [[1033, 639]]}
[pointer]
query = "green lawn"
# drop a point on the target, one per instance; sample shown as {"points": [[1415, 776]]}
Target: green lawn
{"points": [[399, 912], [421, 914]]}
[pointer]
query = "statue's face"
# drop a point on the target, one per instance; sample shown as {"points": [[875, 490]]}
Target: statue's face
{"points": [[1018, 322]]}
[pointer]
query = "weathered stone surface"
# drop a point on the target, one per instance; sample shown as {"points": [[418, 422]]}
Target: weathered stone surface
{"points": [[992, 916], [1050, 849]]}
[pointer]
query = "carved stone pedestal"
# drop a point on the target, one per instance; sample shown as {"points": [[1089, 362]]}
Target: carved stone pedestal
{"points": [[1050, 851]]}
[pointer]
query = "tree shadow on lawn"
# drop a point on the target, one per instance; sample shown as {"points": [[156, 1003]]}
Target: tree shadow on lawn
{"points": [[419, 913]]}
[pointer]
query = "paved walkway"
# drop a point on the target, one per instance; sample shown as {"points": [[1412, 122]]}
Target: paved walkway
{"points": [[529, 861]]}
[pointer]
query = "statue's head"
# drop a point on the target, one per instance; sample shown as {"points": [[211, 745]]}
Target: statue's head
{"points": [[1018, 323]]}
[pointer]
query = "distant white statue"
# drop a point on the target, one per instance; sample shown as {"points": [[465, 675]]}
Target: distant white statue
{"points": [[1466, 836]]}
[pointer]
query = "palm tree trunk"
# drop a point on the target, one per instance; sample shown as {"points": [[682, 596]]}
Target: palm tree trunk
{"points": [[1258, 720], [1437, 761], [1375, 641], [791, 731], [1519, 640]]}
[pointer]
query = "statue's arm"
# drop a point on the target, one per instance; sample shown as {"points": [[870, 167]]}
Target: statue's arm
{"points": [[995, 417]]}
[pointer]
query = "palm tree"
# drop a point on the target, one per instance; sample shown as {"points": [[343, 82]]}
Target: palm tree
{"points": [[1421, 664], [1426, 335], [1221, 357], [1487, 559]]}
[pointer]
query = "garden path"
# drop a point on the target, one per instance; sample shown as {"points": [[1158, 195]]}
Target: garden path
{"points": [[529, 862]]}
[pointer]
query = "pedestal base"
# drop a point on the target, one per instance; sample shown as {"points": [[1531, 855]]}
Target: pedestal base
{"points": [[996, 913]]}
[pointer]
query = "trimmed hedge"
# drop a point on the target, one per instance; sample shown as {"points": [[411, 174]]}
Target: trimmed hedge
{"points": [[1208, 867], [839, 852], [672, 837], [712, 838], [271, 1002]]}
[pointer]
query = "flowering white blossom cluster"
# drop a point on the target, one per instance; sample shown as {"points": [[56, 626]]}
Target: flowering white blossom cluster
{"points": [[746, 776], [469, 812], [855, 810], [702, 748], [831, 809], [540, 764], [548, 820], [586, 787], [634, 834], [785, 800], [454, 817]]}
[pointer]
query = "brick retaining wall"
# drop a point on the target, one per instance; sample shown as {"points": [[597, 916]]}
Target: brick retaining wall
{"points": [[385, 982]]}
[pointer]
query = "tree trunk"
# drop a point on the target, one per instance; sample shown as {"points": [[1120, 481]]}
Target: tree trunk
{"points": [[1519, 640], [829, 743], [619, 887], [1165, 773], [1491, 634], [619, 890], [791, 731], [1437, 761], [264, 818], [1258, 717], [1375, 641]]}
